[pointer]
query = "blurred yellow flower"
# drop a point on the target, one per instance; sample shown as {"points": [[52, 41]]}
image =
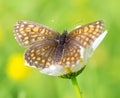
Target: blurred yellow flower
{"points": [[16, 68]]}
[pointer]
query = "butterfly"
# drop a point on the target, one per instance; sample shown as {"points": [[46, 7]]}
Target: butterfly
{"points": [[48, 47]]}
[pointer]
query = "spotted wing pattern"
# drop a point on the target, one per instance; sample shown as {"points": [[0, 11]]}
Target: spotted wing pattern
{"points": [[43, 42], [41, 55], [82, 36], [86, 34], [71, 55], [28, 33]]}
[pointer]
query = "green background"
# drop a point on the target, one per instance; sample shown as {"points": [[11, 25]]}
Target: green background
{"points": [[101, 77]]}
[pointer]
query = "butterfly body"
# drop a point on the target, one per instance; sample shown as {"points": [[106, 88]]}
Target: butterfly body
{"points": [[48, 48], [60, 47]]}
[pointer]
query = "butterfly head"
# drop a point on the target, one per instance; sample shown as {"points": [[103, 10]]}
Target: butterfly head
{"points": [[63, 37]]}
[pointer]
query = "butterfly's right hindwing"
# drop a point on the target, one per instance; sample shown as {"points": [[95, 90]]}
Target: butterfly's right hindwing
{"points": [[41, 55]]}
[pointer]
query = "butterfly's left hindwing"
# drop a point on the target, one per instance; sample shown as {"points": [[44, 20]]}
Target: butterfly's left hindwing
{"points": [[71, 55]]}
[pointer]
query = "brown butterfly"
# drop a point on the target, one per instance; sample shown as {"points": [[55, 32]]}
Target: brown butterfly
{"points": [[47, 47]]}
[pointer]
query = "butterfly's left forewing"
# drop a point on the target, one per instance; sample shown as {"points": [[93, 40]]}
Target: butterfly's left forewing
{"points": [[86, 34]]}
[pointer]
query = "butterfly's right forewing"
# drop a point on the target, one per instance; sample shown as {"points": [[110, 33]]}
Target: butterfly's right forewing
{"points": [[28, 33]]}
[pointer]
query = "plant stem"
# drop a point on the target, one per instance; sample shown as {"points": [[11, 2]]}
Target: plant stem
{"points": [[76, 87]]}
